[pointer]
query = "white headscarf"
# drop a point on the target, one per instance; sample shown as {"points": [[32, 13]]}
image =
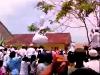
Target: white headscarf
{"points": [[93, 53]]}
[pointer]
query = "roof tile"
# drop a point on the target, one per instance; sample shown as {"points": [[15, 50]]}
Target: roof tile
{"points": [[57, 38]]}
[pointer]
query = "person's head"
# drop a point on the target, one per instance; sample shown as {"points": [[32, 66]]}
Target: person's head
{"points": [[96, 30], [71, 57], [84, 71], [41, 47], [93, 54], [5, 49], [80, 56], [25, 59], [92, 30], [86, 47], [33, 58], [39, 52], [1, 63], [23, 46], [56, 48], [42, 58], [79, 52], [35, 48], [61, 52], [1, 48], [48, 58], [12, 54], [31, 46]]}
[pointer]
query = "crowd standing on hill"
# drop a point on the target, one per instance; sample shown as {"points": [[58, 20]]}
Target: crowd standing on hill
{"points": [[38, 61]]}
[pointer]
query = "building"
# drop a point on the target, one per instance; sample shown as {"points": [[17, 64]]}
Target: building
{"points": [[4, 32], [60, 40]]}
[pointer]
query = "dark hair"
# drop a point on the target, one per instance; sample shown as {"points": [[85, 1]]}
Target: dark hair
{"points": [[86, 47], [1, 63], [61, 52], [42, 58], [24, 47], [39, 52], [12, 54], [84, 71], [94, 58], [5, 49], [96, 30], [25, 59], [56, 48], [41, 47], [80, 56], [48, 58], [33, 58], [71, 57]]}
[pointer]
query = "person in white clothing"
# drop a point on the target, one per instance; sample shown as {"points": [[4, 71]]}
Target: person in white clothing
{"points": [[91, 33], [30, 51], [22, 51], [41, 66], [71, 47], [6, 58], [1, 55], [95, 42], [12, 48], [24, 66], [94, 63], [41, 48]]}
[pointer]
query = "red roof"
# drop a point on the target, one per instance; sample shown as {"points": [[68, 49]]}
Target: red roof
{"points": [[57, 38]]}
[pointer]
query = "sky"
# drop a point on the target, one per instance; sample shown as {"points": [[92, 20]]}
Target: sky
{"points": [[17, 15]]}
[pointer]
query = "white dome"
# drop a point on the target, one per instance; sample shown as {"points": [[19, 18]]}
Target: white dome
{"points": [[39, 39]]}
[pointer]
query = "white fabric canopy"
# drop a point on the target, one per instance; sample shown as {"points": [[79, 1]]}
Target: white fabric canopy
{"points": [[40, 39]]}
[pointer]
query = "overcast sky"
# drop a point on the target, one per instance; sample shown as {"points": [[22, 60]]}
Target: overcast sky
{"points": [[16, 15]]}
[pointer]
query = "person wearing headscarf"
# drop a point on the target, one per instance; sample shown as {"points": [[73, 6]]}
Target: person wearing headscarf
{"points": [[94, 62]]}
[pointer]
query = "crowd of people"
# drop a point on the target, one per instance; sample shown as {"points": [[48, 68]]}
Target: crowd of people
{"points": [[38, 61]]}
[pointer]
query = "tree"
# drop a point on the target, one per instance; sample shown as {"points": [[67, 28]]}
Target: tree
{"points": [[79, 9], [34, 28]]}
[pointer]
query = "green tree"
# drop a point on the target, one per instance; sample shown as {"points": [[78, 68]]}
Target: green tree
{"points": [[80, 9], [33, 28]]}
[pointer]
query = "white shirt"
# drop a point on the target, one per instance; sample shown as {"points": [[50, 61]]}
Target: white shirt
{"points": [[22, 52], [12, 49], [40, 49], [93, 64], [30, 52], [95, 40], [6, 58], [1, 55], [24, 68], [36, 53], [40, 68]]}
